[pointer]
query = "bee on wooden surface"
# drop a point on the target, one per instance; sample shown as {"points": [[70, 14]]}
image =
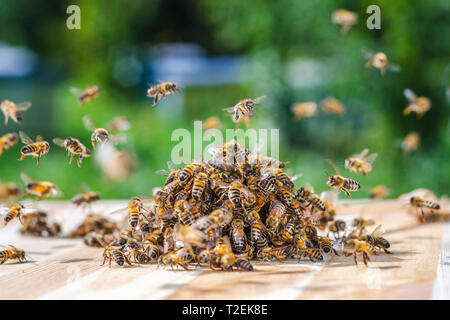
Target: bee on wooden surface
{"points": [[333, 105], [180, 257], [12, 254], [355, 247], [161, 90], [74, 147], [419, 105], [152, 248], [7, 141], [135, 209], [98, 239], [312, 253], [336, 227], [304, 110], [35, 149], [222, 256], [85, 198], [361, 162], [376, 241], [13, 211], [379, 192], [40, 189], [9, 191], [340, 183], [380, 61], [212, 123], [88, 95], [203, 257], [410, 142], [420, 203], [116, 253], [14, 111], [361, 224], [243, 264], [280, 253], [344, 18], [244, 111]]}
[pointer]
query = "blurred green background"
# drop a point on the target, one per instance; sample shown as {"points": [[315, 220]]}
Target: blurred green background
{"points": [[221, 52]]}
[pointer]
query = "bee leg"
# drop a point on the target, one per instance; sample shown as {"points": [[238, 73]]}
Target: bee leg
{"points": [[80, 158], [383, 71], [6, 120], [387, 251], [22, 157], [368, 64], [71, 158], [354, 256], [347, 193], [38, 158]]}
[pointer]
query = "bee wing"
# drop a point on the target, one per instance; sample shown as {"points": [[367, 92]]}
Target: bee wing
{"points": [[58, 142], [367, 53], [410, 95], [39, 138], [121, 210], [25, 178], [76, 90], [362, 154], [172, 166], [377, 231], [29, 210], [393, 67], [370, 159], [295, 177], [119, 138], [162, 172], [88, 123], [257, 100], [334, 166], [230, 109], [25, 138], [330, 196], [23, 106]]}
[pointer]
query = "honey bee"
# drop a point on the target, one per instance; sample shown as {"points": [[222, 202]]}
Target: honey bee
{"points": [[135, 209], [203, 257], [279, 253], [419, 105], [161, 90], [116, 253], [304, 110], [152, 248], [212, 123], [376, 241], [89, 94], [333, 105], [237, 235], [9, 191], [138, 256], [244, 111], [98, 135], [189, 236], [35, 149], [244, 264], [74, 147], [200, 181], [258, 234], [312, 253], [7, 141], [306, 194], [14, 111], [186, 212], [410, 142], [380, 61], [344, 18], [361, 162], [12, 253], [336, 227], [220, 217], [118, 124], [119, 166], [342, 184], [98, 239], [379, 192], [222, 255], [41, 189], [419, 202], [326, 245], [276, 214], [361, 224], [86, 198], [354, 246], [13, 211], [180, 257]]}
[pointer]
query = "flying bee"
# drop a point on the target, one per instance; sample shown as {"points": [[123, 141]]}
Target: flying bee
{"points": [[340, 183], [89, 94], [200, 181], [116, 253], [361, 224], [7, 141], [98, 135], [40, 189], [361, 162], [243, 111], [35, 149], [379, 192], [13, 211], [376, 241], [304, 110], [12, 253], [344, 18], [237, 235], [410, 142], [74, 147], [9, 191], [212, 123], [161, 90], [419, 105], [354, 246], [118, 124], [419, 202], [333, 105], [380, 61], [135, 209], [85, 198], [336, 227], [14, 111]]}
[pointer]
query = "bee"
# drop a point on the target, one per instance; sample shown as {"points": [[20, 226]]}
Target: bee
{"points": [[9, 191], [13, 211], [7, 141], [276, 214], [188, 172], [354, 246], [336, 227], [89, 94], [410, 142], [342, 184], [326, 245], [189, 236], [73, 147], [12, 253], [380, 61], [35, 149], [14, 111], [220, 217], [119, 166], [267, 182], [40, 189], [312, 253], [418, 202], [161, 90], [186, 212], [222, 255], [244, 264], [257, 234], [151, 247], [361, 224], [244, 111], [98, 239], [138, 256], [304, 110], [333, 105], [200, 181], [376, 241], [114, 252], [135, 209], [279, 253], [181, 257], [306, 194], [379, 192], [361, 162], [98, 135], [419, 105], [118, 124], [212, 123], [204, 257], [86, 198], [329, 199], [344, 18], [237, 235]]}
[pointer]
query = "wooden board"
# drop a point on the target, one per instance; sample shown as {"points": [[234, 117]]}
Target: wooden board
{"points": [[67, 269]]}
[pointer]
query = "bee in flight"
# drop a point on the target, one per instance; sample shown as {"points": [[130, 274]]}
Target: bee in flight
{"points": [[7, 141], [14, 111], [12, 253], [9, 191], [304, 110], [73, 147], [103, 135], [212, 123], [98, 135], [379, 192], [161, 90], [243, 111], [36, 149], [333, 105], [12, 211], [344, 18], [85, 197], [380, 61], [340, 183], [41, 189], [410, 142], [118, 124], [419, 202], [361, 162], [419, 105], [89, 94]]}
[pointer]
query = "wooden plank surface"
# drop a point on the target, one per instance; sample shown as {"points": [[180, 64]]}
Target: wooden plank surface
{"points": [[67, 269]]}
